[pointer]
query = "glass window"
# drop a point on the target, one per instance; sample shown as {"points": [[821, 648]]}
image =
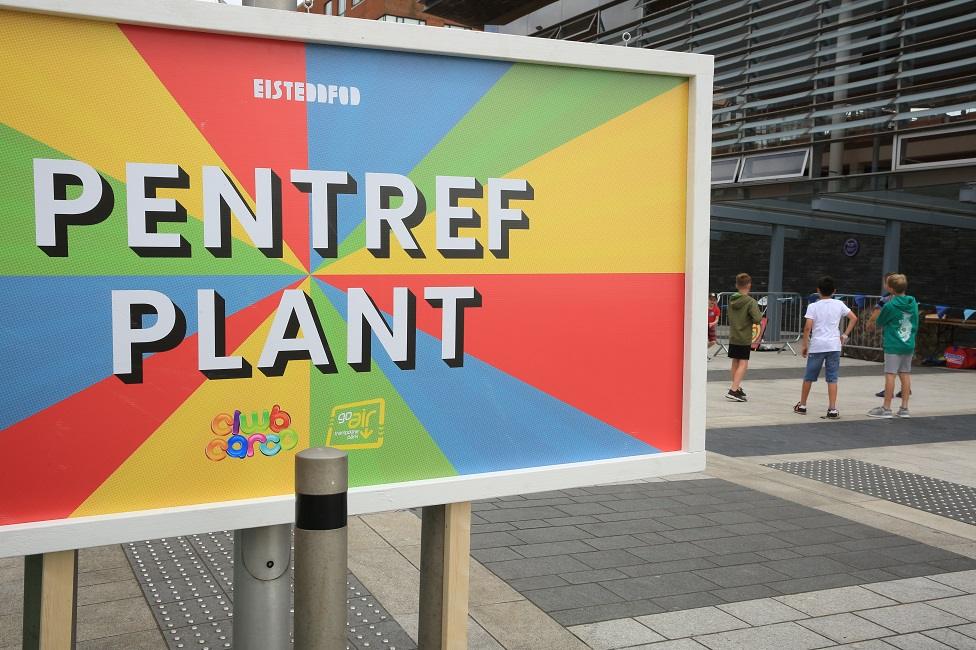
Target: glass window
{"points": [[341, 6], [724, 169], [356, 2], [776, 164], [327, 8], [402, 19], [937, 148], [450, 26]]}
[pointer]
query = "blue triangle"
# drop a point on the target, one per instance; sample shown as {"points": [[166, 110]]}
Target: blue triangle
{"points": [[56, 332], [485, 420]]}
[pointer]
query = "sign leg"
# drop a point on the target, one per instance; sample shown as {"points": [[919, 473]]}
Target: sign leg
{"points": [[261, 588], [50, 595], [445, 549]]}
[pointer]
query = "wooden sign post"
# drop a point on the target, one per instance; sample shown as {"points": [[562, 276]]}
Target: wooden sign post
{"points": [[50, 595], [445, 549]]}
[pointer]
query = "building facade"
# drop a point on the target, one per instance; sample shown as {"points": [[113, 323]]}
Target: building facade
{"points": [[844, 132], [397, 11]]}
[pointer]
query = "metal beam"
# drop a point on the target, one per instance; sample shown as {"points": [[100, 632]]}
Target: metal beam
{"points": [[797, 220], [721, 225], [931, 216], [892, 247]]}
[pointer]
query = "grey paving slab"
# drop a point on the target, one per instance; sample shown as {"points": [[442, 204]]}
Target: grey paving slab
{"points": [[692, 622], [538, 566], [913, 617], [657, 586], [597, 613], [845, 628], [952, 638], [619, 633], [776, 440], [916, 641], [768, 637], [910, 590], [763, 611], [963, 580], [748, 592], [571, 597], [968, 630], [963, 606], [549, 534], [695, 543], [741, 575], [145, 640], [552, 548], [608, 559], [537, 582], [690, 600], [835, 601]]}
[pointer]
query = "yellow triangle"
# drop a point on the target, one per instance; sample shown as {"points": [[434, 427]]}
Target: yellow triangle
{"points": [[609, 201], [172, 467], [95, 99]]}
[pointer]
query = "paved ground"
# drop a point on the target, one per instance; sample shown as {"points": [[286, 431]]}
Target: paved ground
{"points": [[743, 556]]}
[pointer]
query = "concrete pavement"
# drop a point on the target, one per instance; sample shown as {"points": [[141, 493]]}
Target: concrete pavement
{"points": [[743, 556]]}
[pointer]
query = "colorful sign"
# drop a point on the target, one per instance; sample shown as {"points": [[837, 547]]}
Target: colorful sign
{"points": [[222, 249]]}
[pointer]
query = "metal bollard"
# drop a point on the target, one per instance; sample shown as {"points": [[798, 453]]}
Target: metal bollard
{"points": [[261, 593], [321, 548]]}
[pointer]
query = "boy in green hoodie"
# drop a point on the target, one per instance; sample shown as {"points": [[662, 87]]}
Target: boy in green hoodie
{"points": [[899, 318], [743, 314]]}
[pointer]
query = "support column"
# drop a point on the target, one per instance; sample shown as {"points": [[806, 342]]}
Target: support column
{"points": [[892, 246], [445, 550], [777, 246], [50, 599]]}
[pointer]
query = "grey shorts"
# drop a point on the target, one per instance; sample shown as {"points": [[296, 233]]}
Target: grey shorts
{"points": [[897, 363]]}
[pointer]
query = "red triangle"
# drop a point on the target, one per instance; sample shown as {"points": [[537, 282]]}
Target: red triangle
{"points": [[73, 446], [610, 345], [212, 76]]}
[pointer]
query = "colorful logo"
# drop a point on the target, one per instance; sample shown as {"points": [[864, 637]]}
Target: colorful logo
{"points": [[357, 425], [238, 435]]}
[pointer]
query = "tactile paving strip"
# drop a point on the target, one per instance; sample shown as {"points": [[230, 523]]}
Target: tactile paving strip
{"points": [[950, 500], [189, 581]]}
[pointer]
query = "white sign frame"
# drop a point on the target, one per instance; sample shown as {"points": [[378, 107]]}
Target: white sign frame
{"points": [[64, 534]]}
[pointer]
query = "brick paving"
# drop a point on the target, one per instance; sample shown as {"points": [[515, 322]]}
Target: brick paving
{"points": [[606, 553]]}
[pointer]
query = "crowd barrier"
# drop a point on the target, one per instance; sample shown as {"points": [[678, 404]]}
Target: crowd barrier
{"points": [[784, 320], [861, 338]]}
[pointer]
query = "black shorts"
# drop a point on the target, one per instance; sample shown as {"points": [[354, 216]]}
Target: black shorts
{"points": [[739, 351]]}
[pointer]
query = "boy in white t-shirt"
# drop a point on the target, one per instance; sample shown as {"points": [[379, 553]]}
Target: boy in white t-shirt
{"points": [[822, 342]]}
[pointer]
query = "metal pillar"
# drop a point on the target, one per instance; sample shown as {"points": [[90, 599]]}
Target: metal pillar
{"points": [[892, 247], [50, 597], [321, 548], [777, 245], [445, 550], [261, 588], [286, 5]]}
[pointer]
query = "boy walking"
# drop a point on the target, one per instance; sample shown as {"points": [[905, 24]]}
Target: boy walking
{"points": [[743, 314], [899, 318], [822, 342]]}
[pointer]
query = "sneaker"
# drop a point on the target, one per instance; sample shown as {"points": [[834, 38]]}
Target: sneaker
{"points": [[735, 395], [903, 412], [742, 394], [833, 414], [800, 408], [880, 412], [897, 395]]}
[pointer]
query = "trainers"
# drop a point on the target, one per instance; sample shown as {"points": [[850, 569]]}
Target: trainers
{"points": [[832, 414], [880, 412], [735, 395], [800, 408], [897, 395], [903, 412]]}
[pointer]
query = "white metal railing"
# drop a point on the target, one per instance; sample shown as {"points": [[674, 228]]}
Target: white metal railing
{"points": [[784, 320]]}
